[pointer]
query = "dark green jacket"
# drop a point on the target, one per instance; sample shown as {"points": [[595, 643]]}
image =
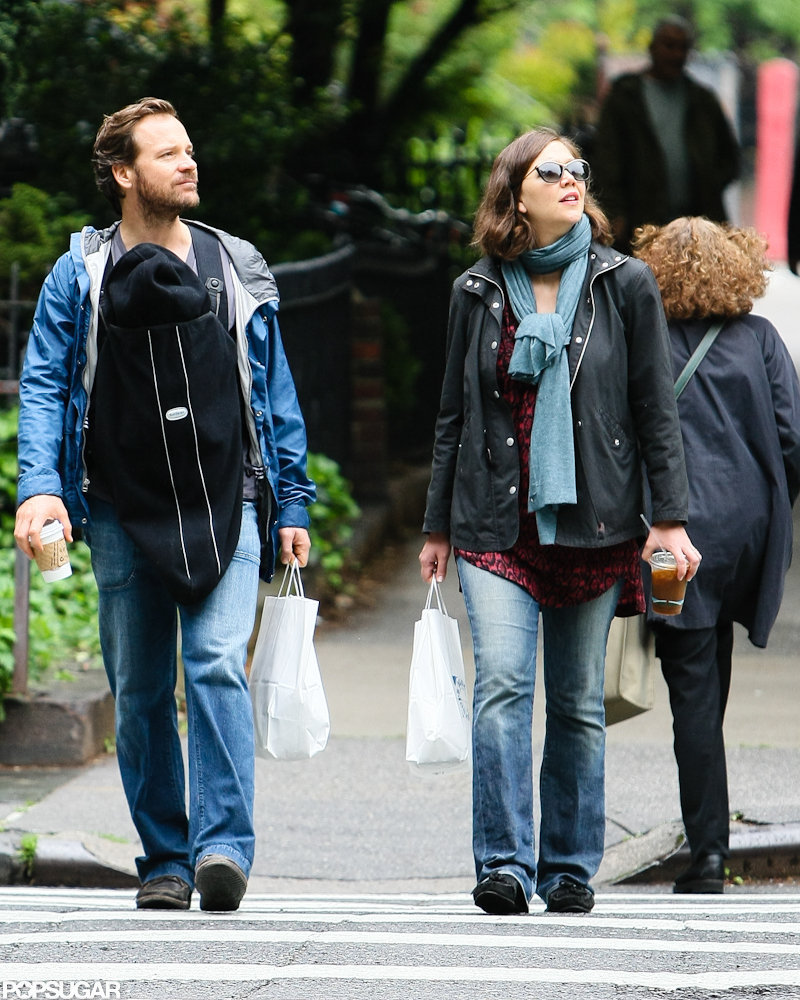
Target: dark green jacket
{"points": [[629, 172], [623, 410]]}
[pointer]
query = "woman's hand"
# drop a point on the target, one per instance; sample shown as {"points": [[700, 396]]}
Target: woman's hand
{"points": [[672, 536], [434, 556]]}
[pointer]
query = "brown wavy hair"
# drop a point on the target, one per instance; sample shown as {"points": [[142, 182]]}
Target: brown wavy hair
{"points": [[114, 142], [704, 268], [501, 230]]}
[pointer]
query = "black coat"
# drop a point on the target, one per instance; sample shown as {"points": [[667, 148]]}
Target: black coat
{"points": [[623, 410], [740, 419]]}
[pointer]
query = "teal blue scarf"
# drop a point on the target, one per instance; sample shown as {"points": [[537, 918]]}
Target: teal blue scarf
{"points": [[540, 358]]}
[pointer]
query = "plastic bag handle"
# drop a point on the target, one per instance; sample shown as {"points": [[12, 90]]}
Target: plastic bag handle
{"points": [[435, 590], [291, 579]]}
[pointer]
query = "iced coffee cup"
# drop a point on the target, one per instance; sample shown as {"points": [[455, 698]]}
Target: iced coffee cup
{"points": [[667, 590], [53, 560]]}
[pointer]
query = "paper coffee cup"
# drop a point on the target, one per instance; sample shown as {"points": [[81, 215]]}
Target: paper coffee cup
{"points": [[668, 591], [53, 560]]}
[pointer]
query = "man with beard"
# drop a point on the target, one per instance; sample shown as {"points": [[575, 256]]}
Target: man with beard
{"points": [[663, 146], [154, 282]]}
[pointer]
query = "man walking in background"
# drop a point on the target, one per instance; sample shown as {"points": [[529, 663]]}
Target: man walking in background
{"points": [[663, 146], [158, 415]]}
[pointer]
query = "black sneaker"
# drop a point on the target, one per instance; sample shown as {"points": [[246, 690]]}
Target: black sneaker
{"points": [[500, 893], [220, 882], [165, 892], [570, 896]]}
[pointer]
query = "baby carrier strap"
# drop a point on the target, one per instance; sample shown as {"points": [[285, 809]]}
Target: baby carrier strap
{"points": [[208, 257]]}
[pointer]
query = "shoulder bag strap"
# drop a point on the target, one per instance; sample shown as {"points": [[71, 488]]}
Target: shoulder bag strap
{"points": [[700, 352]]}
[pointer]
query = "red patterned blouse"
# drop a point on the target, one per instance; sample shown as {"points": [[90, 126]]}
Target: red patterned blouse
{"points": [[556, 576]]}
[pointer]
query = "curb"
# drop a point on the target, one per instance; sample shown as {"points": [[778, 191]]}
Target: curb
{"points": [[58, 862], [769, 851], [756, 851]]}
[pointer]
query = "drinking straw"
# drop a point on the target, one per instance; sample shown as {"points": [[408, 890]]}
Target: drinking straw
{"points": [[649, 527]]}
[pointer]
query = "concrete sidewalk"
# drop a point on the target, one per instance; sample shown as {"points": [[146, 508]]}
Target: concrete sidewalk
{"points": [[355, 818]]}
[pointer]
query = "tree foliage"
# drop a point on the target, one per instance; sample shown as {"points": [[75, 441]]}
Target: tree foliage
{"points": [[279, 93]]}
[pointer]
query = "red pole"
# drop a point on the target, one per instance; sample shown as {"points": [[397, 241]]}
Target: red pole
{"points": [[776, 105]]}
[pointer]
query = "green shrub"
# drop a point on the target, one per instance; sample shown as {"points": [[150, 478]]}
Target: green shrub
{"points": [[332, 516], [63, 616]]}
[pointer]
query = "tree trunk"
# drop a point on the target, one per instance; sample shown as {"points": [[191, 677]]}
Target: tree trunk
{"points": [[314, 26]]}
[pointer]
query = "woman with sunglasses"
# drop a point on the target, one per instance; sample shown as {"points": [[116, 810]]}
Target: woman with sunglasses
{"points": [[557, 383]]}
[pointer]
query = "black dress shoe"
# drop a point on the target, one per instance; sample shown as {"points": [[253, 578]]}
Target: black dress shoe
{"points": [[707, 874], [500, 893], [165, 892], [570, 896]]}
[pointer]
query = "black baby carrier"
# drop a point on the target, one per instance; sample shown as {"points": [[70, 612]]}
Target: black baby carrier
{"points": [[167, 419]]}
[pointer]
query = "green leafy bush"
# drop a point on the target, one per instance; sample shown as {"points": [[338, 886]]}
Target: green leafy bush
{"points": [[332, 516], [63, 615]]}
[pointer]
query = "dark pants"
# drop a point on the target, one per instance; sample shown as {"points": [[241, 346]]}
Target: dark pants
{"points": [[696, 664]]}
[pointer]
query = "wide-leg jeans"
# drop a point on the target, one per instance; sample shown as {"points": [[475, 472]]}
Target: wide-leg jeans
{"points": [[504, 620], [138, 622]]}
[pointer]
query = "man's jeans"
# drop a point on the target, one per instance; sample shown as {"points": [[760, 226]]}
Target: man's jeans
{"points": [[138, 633], [504, 620]]}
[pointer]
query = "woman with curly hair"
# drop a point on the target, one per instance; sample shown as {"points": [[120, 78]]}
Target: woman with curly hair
{"points": [[557, 380], [740, 421]]}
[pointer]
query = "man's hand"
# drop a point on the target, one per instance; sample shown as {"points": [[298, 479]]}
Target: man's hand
{"points": [[295, 544], [31, 516]]}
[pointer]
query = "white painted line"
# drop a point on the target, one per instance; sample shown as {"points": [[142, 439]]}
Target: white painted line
{"points": [[406, 940], [182, 973], [574, 924]]}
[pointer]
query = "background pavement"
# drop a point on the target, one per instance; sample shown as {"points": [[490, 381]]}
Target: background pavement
{"points": [[355, 818]]}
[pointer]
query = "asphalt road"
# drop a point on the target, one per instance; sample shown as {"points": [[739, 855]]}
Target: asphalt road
{"points": [[633, 946]]}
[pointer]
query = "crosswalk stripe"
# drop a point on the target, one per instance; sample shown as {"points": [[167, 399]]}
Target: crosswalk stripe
{"points": [[165, 972], [405, 939]]}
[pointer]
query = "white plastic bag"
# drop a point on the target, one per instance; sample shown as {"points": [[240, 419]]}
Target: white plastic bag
{"points": [[290, 711], [438, 736]]}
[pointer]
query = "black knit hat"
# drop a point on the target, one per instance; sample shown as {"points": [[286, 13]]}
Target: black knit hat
{"points": [[151, 286]]}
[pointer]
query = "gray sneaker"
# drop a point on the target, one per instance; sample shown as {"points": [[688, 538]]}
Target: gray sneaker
{"points": [[220, 882]]}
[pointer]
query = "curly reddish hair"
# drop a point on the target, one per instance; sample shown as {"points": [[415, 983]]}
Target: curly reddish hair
{"points": [[704, 268]]}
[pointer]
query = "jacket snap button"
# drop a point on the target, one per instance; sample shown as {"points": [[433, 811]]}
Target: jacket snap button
{"points": [[579, 340], [477, 284], [469, 282], [494, 345], [495, 305], [509, 441], [496, 394], [616, 442], [513, 490], [605, 263]]}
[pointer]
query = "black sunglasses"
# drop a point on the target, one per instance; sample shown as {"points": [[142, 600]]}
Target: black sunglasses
{"points": [[551, 172]]}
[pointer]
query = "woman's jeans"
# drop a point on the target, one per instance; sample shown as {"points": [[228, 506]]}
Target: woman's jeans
{"points": [[696, 664], [138, 634], [504, 619]]}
